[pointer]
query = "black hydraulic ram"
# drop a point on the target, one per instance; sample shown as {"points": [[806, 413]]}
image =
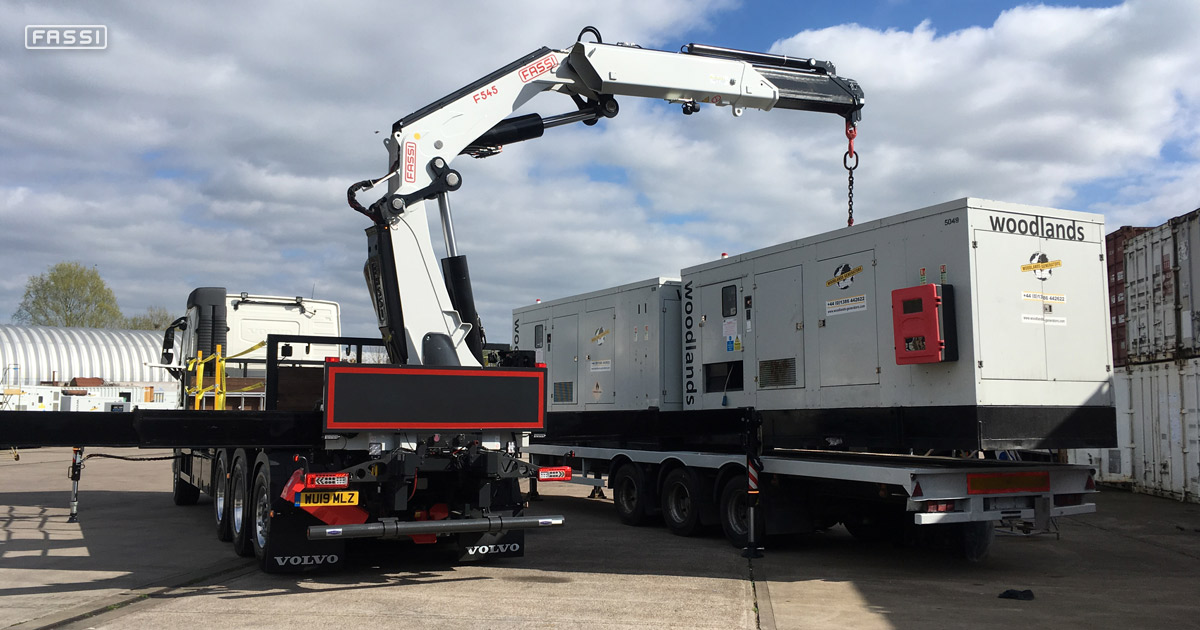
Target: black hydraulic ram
{"points": [[394, 528]]}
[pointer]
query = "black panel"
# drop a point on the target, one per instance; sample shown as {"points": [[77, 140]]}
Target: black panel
{"points": [[212, 429], [949, 323], [894, 429], [956, 427], [160, 428], [362, 397], [28, 429], [720, 430]]}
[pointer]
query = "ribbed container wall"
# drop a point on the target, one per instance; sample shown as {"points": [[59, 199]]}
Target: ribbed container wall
{"points": [[1158, 413], [1115, 257], [34, 354], [1150, 294], [1186, 231]]}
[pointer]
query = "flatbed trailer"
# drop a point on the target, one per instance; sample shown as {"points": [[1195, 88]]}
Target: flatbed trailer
{"points": [[664, 470], [291, 482]]}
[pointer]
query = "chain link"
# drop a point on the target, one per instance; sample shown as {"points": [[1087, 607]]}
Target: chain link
{"points": [[851, 133], [850, 186]]}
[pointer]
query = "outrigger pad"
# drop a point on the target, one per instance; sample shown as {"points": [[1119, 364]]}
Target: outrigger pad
{"points": [[393, 397], [475, 547]]}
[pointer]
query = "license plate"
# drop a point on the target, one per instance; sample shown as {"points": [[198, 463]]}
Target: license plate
{"points": [[346, 497]]}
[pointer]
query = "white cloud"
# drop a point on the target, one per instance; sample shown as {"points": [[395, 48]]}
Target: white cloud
{"points": [[211, 144]]}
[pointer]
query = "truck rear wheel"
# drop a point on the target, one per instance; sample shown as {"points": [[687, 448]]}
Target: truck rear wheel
{"points": [[240, 519], [182, 492], [734, 513], [681, 501], [261, 516], [220, 495], [630, 495]]}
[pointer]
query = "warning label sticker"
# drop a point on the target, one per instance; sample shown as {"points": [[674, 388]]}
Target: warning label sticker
{"points": [[841, 306], [1038, 296], [604, 365]]}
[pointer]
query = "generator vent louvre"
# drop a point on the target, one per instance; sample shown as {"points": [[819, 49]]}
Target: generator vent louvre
{"points": [[777, 373], [564, 392]]}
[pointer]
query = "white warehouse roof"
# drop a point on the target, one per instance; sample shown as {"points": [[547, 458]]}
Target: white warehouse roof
{"points": [[33, 354]]}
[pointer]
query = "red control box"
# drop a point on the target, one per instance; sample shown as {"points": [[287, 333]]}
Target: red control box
{"points": [[923, 324]]}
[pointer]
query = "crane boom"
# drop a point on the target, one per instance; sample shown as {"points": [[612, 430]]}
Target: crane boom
{"points": [[429, 318]]}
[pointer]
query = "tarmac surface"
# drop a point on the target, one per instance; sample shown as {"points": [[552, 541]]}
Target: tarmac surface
{"points": [[135, 560]]}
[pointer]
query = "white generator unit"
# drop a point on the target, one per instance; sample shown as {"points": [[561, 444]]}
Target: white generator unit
{"points": [[971, 324], [612, 349]]}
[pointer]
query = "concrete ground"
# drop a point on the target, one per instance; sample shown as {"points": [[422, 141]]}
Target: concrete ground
{"points": [[136, 561]]}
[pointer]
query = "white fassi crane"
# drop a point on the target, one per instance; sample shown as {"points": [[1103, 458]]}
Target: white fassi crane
{"points": [[438, 319]]}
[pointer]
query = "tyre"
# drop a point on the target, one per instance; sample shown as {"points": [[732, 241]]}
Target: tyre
{"points": [[182, 492], [682, 497], [240, 519], [734, 514], [220, 495], [630, 494], [260, 514]]}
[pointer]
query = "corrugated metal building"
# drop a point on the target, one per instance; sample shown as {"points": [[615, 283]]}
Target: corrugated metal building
{"points": [[36, 354]]}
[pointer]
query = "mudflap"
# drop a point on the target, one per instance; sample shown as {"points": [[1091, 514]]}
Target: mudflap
{"points": [[291, 551], [475, 547]]}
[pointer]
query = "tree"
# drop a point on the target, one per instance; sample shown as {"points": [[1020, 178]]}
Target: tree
{"points": [[156, 318], [69, 294]]}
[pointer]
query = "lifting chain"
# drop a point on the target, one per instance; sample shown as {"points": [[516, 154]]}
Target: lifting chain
{"points": [[851, 133]]}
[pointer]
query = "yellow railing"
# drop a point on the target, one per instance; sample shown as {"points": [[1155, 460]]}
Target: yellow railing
{"points": [[220, 386]]}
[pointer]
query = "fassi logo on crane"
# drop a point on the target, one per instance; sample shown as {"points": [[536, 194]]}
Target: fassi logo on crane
{"points": [[410, 162], [538, 68]]}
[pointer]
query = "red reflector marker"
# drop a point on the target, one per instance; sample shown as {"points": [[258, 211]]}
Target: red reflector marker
{"points": [[1003, 483], [917, 490], [333, 359], [1091, 483]]}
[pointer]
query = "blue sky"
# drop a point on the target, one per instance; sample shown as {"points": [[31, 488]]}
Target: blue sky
{"points": [[755, 24], [211, 144]]}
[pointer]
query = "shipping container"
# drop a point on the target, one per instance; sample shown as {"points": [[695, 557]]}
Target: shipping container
{"points": [[1186, 232], [1158, 407], [1115, 258], [1150, 295]]}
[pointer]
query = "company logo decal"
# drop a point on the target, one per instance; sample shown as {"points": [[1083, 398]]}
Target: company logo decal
{"points": [[410, 162], [1041, 266], [306, 560], [1038, 226], [480, 550], [538, 68], [843, 276]]}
